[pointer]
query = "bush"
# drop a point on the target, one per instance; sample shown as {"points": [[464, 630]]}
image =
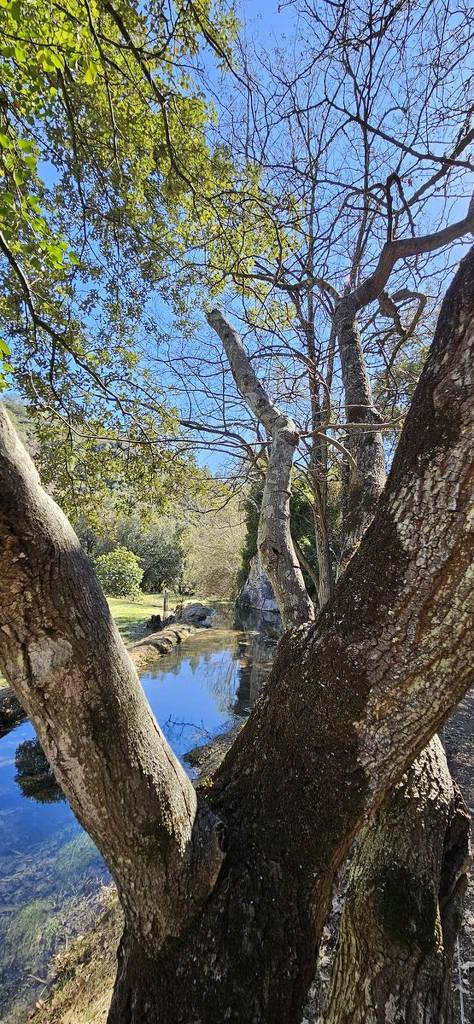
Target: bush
{"points": [[120, 573]]}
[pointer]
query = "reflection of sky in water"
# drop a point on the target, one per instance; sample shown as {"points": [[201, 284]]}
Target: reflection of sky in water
{"points": [[23, 822], [194, 692], [192, 695], [194, 701]]}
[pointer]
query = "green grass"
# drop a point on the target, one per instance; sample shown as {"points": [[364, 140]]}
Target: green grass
{"points": [[131, 616]]}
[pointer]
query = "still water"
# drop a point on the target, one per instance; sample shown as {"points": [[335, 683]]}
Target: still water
{"points": [[50, 872]]}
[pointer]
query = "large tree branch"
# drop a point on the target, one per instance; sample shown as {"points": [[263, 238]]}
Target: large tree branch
{"points": [[275, 543], [403, 248], [67, 663]]}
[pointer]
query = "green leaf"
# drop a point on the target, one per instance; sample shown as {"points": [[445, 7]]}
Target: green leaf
{"points": [[91, 73], [57, 60]]}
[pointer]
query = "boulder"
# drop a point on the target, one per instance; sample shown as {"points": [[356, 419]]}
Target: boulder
{"points": [[197, 614], [154, 622], [256, 604]]}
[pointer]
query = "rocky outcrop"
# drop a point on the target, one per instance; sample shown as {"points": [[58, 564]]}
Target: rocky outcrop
{"points": [[197, 614], [256, 604]]}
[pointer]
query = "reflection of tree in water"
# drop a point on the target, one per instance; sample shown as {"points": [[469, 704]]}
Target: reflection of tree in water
{"points": [[221, 680], [34, 775], [256, 654], [236, 674]]}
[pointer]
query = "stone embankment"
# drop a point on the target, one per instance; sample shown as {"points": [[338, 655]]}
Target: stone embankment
{"points": [[162, 642]]}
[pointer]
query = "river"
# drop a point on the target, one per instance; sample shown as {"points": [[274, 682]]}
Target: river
{"points": [[51, 875]]}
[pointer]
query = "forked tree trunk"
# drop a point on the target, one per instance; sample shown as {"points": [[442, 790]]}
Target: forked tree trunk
{"points": [[353, 698], [361, 493]]}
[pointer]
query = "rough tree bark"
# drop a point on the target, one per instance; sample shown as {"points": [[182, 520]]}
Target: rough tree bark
{"points": [[352, 699], [403, 903], [417, 845], [361, 494]]}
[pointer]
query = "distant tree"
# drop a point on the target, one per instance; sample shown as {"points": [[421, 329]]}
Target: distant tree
{"points": [[302, 526], [213, 551], [159, 548], [120, 573]]}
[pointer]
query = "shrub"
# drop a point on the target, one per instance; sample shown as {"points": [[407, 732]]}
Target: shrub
{"points": [[120, 573]]}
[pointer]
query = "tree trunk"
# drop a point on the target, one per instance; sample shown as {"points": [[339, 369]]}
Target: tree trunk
{"points": [[67, 663], [402, 904], [250, 956], [318, 468], [323, 551], [352, 699], [404, 991], [275, 543], [361, 496], [363, 485]]}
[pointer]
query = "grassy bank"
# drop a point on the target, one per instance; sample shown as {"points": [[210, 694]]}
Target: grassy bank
{"points": [[131, 616]]}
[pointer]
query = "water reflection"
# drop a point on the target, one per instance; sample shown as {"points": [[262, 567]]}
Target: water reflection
{"points": [[256, 652], [34, 775], [50, 871]]}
